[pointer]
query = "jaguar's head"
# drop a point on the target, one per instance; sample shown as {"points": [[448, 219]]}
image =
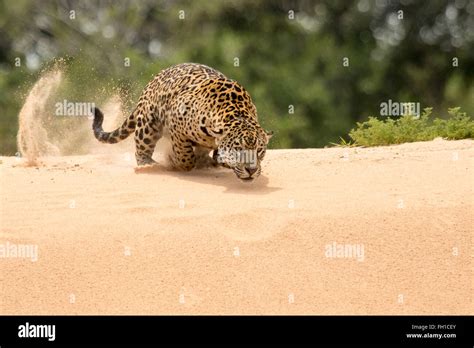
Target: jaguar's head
{"points": [[242, 149]]}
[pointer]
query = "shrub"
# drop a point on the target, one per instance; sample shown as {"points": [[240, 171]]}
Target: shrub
{"points": [[409, 128]]}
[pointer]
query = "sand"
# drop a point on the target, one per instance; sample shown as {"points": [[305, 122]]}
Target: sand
{"points": [[385, 230]]}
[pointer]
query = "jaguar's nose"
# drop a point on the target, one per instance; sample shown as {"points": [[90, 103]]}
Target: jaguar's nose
{"points": [[251, 170]]}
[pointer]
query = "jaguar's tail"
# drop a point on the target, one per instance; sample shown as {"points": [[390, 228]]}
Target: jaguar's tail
{"points": [[127, 128]]}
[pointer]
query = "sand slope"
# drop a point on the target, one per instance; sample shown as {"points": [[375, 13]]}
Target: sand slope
{"points": [[112, 241]]}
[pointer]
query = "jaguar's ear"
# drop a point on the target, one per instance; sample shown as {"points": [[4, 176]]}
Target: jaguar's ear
{"points": [[269, 135]]}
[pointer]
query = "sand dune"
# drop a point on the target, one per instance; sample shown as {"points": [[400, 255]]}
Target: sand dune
{"points": [[384, 230]]}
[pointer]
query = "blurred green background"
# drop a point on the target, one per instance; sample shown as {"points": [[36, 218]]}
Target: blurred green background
{"points": [[290, 55]]}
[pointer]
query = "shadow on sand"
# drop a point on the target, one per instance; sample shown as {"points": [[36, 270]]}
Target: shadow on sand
{"points": [[216, 177]]}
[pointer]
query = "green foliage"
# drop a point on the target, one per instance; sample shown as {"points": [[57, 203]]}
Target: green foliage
{"points": [[344, 143], [458, 126], [409, 128]]}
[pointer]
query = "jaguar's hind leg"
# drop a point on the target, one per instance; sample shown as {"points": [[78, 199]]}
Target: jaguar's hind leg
{"points": [[146, 137]]}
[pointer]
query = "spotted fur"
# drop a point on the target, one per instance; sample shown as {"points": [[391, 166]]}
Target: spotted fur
{"points": [[201, 110]]}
